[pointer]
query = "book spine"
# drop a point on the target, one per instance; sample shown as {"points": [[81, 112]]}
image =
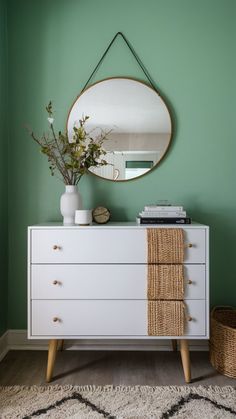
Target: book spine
{"points": [[165, 220], [163, 208], [160, 214]]}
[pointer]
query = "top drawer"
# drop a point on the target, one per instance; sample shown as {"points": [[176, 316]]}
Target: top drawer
{"points": [[103, 245]]}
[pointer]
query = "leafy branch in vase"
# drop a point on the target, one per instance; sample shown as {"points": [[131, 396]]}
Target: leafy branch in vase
{"points": [[71, 158]]}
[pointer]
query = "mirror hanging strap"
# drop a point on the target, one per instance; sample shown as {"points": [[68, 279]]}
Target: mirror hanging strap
{"points": [[134, 54]]}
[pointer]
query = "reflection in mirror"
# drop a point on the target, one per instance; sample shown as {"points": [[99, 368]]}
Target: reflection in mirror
{"points": [[136, 119]]}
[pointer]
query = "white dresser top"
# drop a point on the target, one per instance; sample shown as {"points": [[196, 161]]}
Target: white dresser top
{"points": [[117, 224]]}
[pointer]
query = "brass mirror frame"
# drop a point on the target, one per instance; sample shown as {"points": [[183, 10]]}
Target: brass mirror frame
{"points": [[164, 102]]}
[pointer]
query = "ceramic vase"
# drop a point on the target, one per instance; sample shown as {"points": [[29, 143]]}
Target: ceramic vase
{"points": [[70, 202]]}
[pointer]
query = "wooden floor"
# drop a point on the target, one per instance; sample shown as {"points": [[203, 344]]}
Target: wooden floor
{"points": [[101, 368]]}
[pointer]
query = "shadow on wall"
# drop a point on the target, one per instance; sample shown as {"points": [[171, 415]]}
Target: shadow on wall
{"points": [[222, 277], [100, 192]]}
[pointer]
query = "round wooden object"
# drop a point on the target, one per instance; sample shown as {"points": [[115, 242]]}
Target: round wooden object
{"points": [[101, 215]]}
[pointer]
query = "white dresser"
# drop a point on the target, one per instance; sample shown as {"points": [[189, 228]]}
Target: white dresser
{"points": [[91, 282]]}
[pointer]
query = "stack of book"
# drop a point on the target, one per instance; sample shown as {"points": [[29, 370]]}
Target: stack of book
{"points": [[163, 214]]}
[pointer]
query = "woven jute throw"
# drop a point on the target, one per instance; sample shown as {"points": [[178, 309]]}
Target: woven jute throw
{"points": [[166, 318], [165, 245], [165, 282]]}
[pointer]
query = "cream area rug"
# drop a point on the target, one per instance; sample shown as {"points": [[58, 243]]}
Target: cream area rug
{"points": [[117, 402]]}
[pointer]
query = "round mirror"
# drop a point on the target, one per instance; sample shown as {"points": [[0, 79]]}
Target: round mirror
{"points": [[136, 120]]}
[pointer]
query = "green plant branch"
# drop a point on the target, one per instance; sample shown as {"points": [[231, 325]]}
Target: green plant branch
{"points": [[57, 162], [59, 150], [71, 159]]}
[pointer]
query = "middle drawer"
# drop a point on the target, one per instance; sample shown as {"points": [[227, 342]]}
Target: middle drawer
{"points": [[104, 282]]}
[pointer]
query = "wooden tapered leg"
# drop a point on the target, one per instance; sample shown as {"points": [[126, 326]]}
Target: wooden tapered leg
{"points": [[60, 345], [184, 350], [52, 351], [174, 344]]}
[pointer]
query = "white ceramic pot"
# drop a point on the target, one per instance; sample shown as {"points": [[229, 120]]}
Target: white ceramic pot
{"points": [[70, 202], [83, 217]]}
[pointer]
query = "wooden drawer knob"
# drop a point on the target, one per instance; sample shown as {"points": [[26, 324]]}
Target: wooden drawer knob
{"points": [[188, 245], [190, 318], [55, 319], [55, 247], [190, 281], [55, 282]]}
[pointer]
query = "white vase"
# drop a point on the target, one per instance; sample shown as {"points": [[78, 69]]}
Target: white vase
{"points": [[70, 202]]}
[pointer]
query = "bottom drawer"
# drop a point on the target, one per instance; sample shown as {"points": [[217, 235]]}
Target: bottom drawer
{"points": [[112, 318]]}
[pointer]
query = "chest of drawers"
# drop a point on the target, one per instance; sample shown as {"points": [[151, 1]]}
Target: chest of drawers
{"points": [[91, 282]]}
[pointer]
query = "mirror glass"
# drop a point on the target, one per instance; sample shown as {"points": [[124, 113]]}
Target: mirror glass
{"points": [[136, 119]]}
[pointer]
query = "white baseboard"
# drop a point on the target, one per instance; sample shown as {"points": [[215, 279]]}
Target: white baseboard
{"points": [[3, 345], [17, 340]]}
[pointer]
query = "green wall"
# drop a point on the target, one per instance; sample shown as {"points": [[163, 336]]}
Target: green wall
{"points": [[3, 167], [188, 46]]}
